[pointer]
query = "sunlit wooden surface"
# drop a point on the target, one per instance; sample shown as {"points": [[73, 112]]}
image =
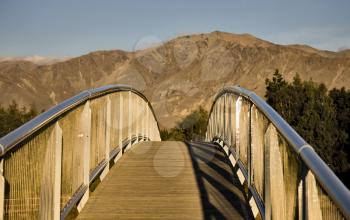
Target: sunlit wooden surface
{"points": [[169, 180]]}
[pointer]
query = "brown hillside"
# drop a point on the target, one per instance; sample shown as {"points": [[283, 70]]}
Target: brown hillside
{"points": [[177, 76]]}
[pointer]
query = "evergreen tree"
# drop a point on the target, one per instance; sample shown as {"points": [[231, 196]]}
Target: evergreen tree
{"points": [[13, 116], [341, 99], [193, 126], [309, 109]]}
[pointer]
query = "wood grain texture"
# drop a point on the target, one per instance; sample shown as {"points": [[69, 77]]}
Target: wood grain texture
{"points": [[168, 180]]}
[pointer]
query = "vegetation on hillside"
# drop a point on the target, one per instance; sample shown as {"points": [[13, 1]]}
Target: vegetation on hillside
{"points": [[192, 127], [341, 100], [13, 116], [320, 116]]}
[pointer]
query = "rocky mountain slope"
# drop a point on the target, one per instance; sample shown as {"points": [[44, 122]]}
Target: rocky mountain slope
{"points": [[177, 76]]}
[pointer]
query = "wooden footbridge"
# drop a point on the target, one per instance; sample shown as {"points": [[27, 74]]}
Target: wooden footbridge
{"points": [[98, 155]]}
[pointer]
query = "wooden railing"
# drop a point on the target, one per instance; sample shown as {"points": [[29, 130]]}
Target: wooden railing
{"points": [[285, 177], [48, 163]]}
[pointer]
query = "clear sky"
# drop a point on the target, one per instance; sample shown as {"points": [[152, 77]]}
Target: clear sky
{"points": [[74, 27]]}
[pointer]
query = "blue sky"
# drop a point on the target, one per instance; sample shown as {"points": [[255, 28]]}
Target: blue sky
{"points": [[74, 27]]}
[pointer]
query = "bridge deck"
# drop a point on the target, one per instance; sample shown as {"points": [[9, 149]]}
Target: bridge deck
{"points": [[169, 180]]}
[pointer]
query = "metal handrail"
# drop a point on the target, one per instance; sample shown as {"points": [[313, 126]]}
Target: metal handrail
{"points": [[26, 130], [325, 176]]}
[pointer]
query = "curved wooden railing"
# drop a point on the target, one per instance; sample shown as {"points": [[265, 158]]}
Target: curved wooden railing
{"points": [[48, 163], [285, 177]]}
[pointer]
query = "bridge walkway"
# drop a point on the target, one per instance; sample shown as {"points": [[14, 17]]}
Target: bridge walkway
{"points": [[169, 180]]}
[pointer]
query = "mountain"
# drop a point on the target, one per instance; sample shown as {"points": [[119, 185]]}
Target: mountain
{"points": [[176, 76]]}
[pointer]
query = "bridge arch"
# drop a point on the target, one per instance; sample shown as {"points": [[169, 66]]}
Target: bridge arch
{"points": [[48, 163]]}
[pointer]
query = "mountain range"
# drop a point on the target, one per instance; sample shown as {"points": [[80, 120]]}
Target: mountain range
{"points": [[177, 76]]}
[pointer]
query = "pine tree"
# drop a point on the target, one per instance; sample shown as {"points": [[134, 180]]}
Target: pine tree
{"points": [[309, 109], [13, 116]]}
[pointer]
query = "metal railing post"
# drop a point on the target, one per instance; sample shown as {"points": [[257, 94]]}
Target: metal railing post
{"points": [[144, 107], [249, 150], [148, 124], [229, 121], [238, 112], [151, 129], [120, 130], [107, 138], [216, 119], [210, 128], [213, 123], [302, 193], [267, 151], [221, 114], [312, 200], [2, 190], [224, 119], [141, 120], [58, 165], [86, 122], [207, 133], [136, 119], [129, 120], [49, 202], [218, 122]]}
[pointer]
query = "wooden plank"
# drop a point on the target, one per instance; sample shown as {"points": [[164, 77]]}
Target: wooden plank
{"points": [[168, 180]]}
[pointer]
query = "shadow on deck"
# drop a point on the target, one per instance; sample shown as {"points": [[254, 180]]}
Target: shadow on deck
{"points": [[222, 195]]}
